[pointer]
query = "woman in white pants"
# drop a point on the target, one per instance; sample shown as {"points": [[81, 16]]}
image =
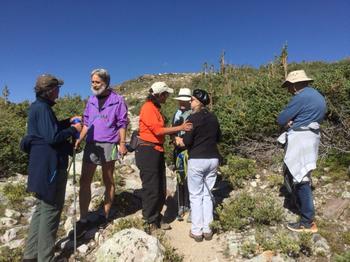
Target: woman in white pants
{"points": [[201, 143]]}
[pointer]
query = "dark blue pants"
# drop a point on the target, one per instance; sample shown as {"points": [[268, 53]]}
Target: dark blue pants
{"points": [[303, 193]]}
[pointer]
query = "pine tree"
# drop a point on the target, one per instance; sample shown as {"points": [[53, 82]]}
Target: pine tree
{"points": [[5, 93], [284, 57]]}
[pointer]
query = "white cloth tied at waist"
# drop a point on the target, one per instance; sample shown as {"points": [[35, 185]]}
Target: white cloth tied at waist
{"points": [[302, 151]]}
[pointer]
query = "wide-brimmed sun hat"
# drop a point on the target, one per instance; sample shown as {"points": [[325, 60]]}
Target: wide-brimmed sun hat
{"points": [[184, 94], [295, 77]]}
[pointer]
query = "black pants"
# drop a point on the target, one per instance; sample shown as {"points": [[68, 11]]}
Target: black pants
{"points": [[152, 171]]}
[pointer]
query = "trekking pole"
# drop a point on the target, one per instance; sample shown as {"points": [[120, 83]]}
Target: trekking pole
{"points": [[179, 218], [75, 205]]}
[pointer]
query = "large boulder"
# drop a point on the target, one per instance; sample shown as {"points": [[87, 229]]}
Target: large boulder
{"points": [[130, 245]]}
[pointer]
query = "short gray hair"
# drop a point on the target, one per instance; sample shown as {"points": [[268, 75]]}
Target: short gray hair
{"points": [[103, 74]]}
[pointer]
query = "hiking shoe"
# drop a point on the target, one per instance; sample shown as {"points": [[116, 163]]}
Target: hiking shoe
{"points": [[208, 236], [298, 227], [165, 226], [102, 222], [197, 238], [81, 227]]}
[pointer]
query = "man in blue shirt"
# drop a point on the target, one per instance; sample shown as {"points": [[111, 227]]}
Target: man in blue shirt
{"points": [[180, 153], [302, 117]]}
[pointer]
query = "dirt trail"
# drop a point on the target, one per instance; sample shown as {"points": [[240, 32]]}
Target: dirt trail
{"points": [[193, 251]]}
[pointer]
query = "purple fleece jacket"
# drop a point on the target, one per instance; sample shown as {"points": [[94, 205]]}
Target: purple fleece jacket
{"points": [[103, 125]]}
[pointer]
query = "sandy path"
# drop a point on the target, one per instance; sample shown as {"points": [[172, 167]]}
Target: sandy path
{"points": [[194, 251]]}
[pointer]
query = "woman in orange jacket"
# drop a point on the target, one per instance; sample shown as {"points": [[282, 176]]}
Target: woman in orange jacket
{"points": [[150, 154]]}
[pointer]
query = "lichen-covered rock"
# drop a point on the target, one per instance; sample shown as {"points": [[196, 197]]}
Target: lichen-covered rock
{"points": [[130, 245]]}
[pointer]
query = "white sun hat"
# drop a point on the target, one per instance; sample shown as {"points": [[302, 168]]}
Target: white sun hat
{"points": [[161, 87], [184, 94], [295, 77]]}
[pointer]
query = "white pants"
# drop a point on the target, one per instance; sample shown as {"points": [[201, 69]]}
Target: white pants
{"points": [[200, 170]]}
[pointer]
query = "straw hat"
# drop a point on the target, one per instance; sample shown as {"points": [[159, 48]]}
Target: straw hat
{"points": [[295, 77], [184, 94]]}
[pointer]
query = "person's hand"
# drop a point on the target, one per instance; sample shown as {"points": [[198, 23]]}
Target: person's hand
{"points": [[186, 126], [122, 149], [179, 141], [77, 143]]}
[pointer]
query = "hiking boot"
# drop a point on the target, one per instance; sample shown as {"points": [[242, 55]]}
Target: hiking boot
{"points": [[81, 227], [298, 227], [208, 236], [197, 238], [102, 222], [165, 226]]}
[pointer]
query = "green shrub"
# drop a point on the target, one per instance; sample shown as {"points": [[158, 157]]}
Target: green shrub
{"points": [[267, 210], [247, 210], [12, 129], [278, 242], [15, 193], [235, 214], [249, 249], [336, 163], [125, 223], [305, 242], [10, 255], [275, 180], [68, 106], [346, 237], [237, 170], [344, 257], [170, 254], [287, 245]]}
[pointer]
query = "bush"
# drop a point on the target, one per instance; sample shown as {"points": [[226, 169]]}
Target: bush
{"points": [[12, 129], [15, 193], [68, 106], [336, 164], [344, 257], [305, 242], [275, 180], [125, 223], [10, 255], [281, 242], [237, 170], [247, 101], [247, 210], [249, 249]]}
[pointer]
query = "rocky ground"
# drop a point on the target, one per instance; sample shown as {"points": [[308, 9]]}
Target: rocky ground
{"points": [[332, 205]]}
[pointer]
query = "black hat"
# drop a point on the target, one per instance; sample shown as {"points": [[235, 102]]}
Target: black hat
{"points": [[202, 96]]}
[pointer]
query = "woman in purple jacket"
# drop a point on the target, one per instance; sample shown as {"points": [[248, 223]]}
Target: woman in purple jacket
{"points": [[105, 122]]}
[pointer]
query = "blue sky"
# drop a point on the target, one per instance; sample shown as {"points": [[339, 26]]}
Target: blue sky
{"points": [[131, 38]]}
